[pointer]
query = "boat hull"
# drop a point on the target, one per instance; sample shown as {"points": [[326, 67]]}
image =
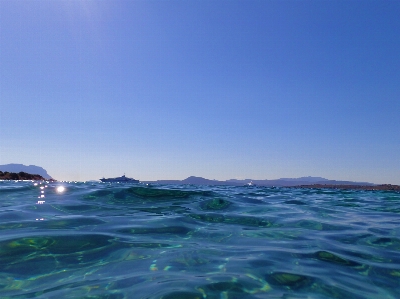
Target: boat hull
{"points": [[122, 179]]}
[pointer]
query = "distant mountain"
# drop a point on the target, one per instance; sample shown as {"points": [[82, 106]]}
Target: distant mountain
{"points": [[306, 178], [283, 182], [193, 180], [31, 169]]}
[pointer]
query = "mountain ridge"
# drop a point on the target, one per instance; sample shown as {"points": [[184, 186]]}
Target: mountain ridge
{"points": [[282, 182]]}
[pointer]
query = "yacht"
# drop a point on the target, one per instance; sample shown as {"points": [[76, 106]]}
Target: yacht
{"points": [[120, 179]]}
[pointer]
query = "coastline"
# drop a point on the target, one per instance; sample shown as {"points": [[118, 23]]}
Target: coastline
{"points": [[12, 176], [382, 187]]}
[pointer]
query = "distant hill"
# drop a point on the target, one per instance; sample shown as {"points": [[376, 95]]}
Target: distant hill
{"points": [[283, 182], [31, 169]]}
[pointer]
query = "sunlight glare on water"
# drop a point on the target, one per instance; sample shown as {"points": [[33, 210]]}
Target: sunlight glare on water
{"points": [[60, 189]]}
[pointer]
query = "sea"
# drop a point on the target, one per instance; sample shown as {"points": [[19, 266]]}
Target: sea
{"points": [[114, 241]]}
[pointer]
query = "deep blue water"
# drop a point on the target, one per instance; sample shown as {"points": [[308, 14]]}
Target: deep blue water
{"points": [[96, 240]]}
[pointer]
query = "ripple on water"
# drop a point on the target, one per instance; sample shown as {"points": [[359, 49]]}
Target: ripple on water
{"points": [[187, 242], [231, 219], [215, 204], [172, 230]]}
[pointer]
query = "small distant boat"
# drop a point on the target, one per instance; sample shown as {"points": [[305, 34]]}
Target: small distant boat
{"points": [[250, 184], [120, 179]]}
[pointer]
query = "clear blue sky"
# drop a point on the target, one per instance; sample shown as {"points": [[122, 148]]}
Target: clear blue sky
{"points": [[218, 89]]}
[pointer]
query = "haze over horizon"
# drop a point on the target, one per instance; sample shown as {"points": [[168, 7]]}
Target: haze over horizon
{"points": [[216, 89]]}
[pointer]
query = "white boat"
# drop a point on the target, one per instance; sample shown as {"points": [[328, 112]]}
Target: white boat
{"points": [[120, 179]]}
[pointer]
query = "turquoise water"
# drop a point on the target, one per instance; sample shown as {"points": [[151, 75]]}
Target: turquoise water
{"points": [[96, 240]]}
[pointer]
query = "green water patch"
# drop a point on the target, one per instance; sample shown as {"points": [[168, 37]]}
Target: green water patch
{"points": [[332, 258], [99, 193], [31, 256], [52, 245], [16, 225], [370, 258], [309, 224], [215, 204], [16, 189], [81, 290], [386, 242], [171, 230], [29, 266], [387, 278], [143, 195], [289, 280], [239, 220], [112, 196], [351, 238], [382, 241], [80, 243], [236, 288], [189, 260], [332, 291]]}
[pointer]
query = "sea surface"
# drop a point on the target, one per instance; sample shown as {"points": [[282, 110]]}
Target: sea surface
{"points": [[112, 241]]}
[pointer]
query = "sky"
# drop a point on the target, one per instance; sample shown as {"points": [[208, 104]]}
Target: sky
{"points": [[217, 89]]}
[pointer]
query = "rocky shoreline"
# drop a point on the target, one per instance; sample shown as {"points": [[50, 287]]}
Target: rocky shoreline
{"points": [[12, 176], [383, 187]]}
